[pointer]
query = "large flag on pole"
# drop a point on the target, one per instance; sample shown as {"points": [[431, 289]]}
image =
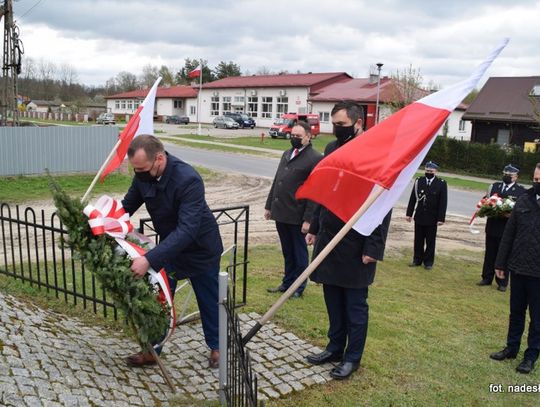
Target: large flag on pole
{"points": [[196, 72], [387, 155], [142, 122]]}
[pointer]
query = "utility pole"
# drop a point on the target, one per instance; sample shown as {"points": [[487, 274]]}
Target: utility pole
{"points": [[11, 66]]}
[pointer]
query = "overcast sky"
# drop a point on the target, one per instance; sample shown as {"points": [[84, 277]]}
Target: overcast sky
{"points": [[444, 39]]}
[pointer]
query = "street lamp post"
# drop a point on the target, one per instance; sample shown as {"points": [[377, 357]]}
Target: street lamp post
{"points": [[379, 66]]}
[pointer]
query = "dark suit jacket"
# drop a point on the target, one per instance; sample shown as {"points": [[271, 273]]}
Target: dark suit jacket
{"points": [[190, 243], [290, 175], [343, 267], [430, 201], [495, 226]]}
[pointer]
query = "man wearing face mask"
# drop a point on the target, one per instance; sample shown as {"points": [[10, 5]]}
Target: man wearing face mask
{"points": [[430, 196], [518, 255], [508, 188], [292, 217], [190, 244], [349, 269]]}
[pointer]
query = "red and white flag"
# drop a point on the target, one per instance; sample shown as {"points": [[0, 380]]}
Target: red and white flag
{"points": [[387, 155], [195, 73], [142, 122]]}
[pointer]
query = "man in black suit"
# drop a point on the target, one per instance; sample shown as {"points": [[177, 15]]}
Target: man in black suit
{"points": [[508, 188], [349, 269], [430, 196], [518, 255], [293, 217]]}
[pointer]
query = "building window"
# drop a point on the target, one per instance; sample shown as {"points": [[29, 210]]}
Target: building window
{"points": [[239, 99], [226, 105], [123, 104], [253, 108], [462, 125], [117, 104], [324, 117], [136, 104], [282, 105], [177, 104], [130, 104], [192, 110], [266, 107], [214, 106]]}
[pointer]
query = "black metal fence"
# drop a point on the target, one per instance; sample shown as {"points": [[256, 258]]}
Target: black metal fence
{"points": [[32, 251], [241, 387]]}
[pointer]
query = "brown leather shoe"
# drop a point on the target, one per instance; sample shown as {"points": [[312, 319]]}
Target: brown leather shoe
{"points": [[140, 359], [213, 360]]}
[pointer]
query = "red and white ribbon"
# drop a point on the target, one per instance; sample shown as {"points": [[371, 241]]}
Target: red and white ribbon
{"points": [[108, 216]]}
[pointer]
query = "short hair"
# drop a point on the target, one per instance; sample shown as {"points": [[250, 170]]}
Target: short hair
{"points": [[304, 125], [537, 166], [354, 110], [150, 144]]}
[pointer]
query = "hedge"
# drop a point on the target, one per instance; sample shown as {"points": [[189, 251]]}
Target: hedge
{"points": [[486, 160]]}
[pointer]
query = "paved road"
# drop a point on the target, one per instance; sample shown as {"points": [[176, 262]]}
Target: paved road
{"points": [[460, 202]]}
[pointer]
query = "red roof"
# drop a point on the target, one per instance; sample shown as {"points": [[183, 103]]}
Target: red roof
{"points": [[181, 91], [361, 90], [273, 81]]}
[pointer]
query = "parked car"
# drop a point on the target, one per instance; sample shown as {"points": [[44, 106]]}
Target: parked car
{"points": [[242, 119], [225, 123], [106, 118], [177, 119]]}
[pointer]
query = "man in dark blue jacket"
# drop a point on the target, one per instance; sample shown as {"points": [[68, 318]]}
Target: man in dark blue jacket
{"points": [[190, 244], [518, 255]]}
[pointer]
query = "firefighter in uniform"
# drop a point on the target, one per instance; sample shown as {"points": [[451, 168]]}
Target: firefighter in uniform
{"points": [[429, 196]]}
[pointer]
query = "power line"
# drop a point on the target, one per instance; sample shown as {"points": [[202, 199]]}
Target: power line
{"points": [[31, 8]]}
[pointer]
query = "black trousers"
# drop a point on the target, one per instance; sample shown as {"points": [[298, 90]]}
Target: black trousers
{"points": [[488, 270], [348, 313], [424, 244], [524, 292], [295, 253]]}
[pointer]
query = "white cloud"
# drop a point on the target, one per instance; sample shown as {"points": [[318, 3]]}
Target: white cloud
{"points": [[444, 39]]}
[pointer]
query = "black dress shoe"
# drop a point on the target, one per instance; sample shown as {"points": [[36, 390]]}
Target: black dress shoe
{"points": [[428, 267], [344, 370], [501, 288], [526, 366], [483, 282], [506, 353], [413, 264], [279, 289], [323, 357]]}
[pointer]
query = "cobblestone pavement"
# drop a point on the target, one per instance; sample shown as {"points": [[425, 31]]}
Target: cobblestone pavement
{"points": [[48, 359]]}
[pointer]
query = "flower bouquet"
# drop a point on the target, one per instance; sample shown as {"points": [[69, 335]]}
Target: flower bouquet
{"points": [[492, 207]]}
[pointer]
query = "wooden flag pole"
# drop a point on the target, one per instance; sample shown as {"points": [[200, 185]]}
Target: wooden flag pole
{"points": [[313, 265], [103, 166], [166, 374]]}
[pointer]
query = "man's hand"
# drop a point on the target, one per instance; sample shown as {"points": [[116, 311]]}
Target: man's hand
{"points": [[499, 273], [310, 239], [408, 218], [440, 223], [139, 267], [367, 259], [305, 227], [267, 214]]}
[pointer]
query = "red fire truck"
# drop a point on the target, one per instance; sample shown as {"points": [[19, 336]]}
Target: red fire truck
{"points": [[282, 127]]}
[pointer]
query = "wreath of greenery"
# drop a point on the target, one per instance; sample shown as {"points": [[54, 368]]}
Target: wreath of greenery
{"points": [[135, 298]]}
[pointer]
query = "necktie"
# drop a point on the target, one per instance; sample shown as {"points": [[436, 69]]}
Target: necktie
{"points": [[294, 153], [504, 188]]}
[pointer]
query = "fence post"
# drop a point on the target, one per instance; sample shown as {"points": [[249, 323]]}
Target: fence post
{"points": [[223, 281]]}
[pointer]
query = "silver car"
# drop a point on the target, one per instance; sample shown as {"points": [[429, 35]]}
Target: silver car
{"points": [[225, 122]]}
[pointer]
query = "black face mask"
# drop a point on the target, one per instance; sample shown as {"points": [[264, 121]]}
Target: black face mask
{"points": [[344, 133], [536, 186], [296, 142], [429, 175], [146, 176], [507, 179]]}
